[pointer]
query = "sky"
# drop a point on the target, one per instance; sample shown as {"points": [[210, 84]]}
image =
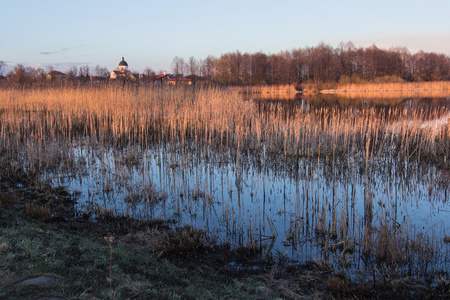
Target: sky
{"points": [[151, 33]]}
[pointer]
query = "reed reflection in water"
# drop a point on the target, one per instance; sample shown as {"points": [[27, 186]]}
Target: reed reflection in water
{"points": [[355, 183], [341, 208]]}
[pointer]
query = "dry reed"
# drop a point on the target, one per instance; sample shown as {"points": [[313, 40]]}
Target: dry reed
{"points": [[269, 90], [207, 116], [392, 90], [40, 127]]}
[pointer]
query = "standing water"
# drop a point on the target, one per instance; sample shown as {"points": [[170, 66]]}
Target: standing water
{"points": [[359, 183]]}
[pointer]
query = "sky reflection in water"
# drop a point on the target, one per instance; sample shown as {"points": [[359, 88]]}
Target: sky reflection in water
{"points": [[283, 204]]}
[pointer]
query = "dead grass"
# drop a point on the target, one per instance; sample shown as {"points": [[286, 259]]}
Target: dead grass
{"points": [[269, 90], [183, 241], [38, 212], [103, 213], [145, 194], [6, 200]]}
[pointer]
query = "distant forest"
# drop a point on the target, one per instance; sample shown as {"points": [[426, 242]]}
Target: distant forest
{"points": [[319, 64], [322, 64]]}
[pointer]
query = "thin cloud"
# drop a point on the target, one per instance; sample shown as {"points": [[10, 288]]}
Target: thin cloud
{"points": [[47, 53], [61, 51]]}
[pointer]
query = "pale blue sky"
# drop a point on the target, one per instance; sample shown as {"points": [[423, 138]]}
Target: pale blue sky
{"points": [[151, 33]]}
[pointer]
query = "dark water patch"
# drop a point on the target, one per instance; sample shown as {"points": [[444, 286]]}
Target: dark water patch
{"points": [[296, 210], [393, 108]]}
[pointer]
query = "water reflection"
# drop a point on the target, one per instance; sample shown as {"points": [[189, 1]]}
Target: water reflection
{"points": [[241, 200], [320, 101], [298, 208]]}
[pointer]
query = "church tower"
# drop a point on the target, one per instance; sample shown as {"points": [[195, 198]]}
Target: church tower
{"points": [[123, 66]]}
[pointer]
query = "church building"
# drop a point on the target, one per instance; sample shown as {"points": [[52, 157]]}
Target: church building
{"points": [[123, 72]]}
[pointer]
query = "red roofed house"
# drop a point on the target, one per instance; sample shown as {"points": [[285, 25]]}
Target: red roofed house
{"points": [[161, 78], [179, 80]]}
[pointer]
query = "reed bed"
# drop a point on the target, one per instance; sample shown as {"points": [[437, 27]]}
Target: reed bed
{"points": [[276, 89], [118, 116], [42, 130], [270, 97], [392, 90]]}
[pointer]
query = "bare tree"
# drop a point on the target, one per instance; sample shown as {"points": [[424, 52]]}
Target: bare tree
{"points": [[222, 70], [246, 68], [3, 66], [39, 75], [149, 72], [84, 71], [235, 66], [72, 74], [19, 75], [259, 68], [101, 71], [192, 66], [177, 65], [49, 68], [207, 67]]}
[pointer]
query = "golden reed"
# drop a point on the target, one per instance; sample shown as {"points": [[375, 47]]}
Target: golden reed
{"points": [[214, 116], [392, 90]]}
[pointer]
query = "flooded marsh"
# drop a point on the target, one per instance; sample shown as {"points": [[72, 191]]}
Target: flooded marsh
{"points": [[361, 184]]}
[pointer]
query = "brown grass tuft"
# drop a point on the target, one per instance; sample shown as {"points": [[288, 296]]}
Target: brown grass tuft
{"points": [[38, 212], [248, 251], [103, 213], [343, 287], [6, 200], [182, 241]]}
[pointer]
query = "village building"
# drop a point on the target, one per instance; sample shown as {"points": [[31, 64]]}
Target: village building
{"points": [[179, 80], [55, 75], [161, 78], [122, 72]]}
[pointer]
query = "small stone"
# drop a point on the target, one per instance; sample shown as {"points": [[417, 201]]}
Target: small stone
{"points": [[447, 239], [44, 280], [4, 247]]}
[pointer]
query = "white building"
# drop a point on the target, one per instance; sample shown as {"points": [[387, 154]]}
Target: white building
{"points": [[122, 70]]}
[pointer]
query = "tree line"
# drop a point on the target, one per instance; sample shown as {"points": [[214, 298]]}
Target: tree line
{"points": [[22, 75], [319, 64]]}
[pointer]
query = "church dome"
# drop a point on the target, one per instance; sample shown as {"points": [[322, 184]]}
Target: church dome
{"points": [[123, 63]]}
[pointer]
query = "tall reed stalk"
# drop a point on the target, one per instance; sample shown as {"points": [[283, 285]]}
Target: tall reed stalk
{"points": [[112, 115]]}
